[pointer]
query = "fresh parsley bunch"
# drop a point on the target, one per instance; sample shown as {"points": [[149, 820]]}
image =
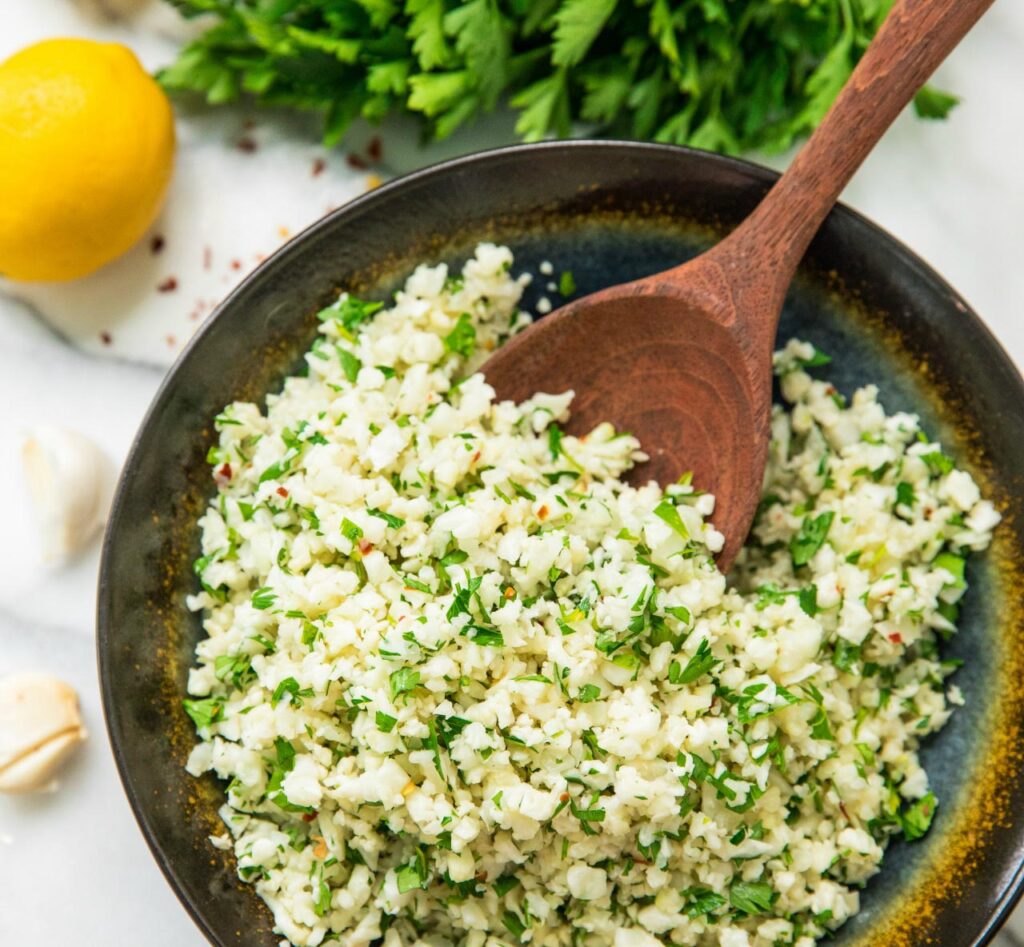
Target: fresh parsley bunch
{"points": [[725, 75]]}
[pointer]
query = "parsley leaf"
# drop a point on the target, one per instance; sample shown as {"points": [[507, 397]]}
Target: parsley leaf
{"points": [[204, 712], [916, 819], [666, 512], [462, 339], [751, 897], [938, 463], [931, 103], [698, 665], [810, 538], [350, 365], [395, 522], [701, 901], [385, 722], [349, 312], [404, 680], [263, 598]]}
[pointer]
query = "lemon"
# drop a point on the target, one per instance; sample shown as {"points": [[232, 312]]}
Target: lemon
{"points": [[86, 151]]}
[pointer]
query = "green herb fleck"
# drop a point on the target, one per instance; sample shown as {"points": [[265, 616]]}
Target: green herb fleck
{"points": [[810, 538], [462, 339], [404, 680], [751, 897], [263, 598]]}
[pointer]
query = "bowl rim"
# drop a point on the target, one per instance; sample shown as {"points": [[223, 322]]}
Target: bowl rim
{"points": [[754, 173]]}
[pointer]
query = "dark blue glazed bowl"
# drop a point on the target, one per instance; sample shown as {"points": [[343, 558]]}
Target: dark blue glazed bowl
{"points": [[610, 212]]}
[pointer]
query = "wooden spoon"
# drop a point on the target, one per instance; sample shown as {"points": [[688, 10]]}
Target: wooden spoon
{"points": [[682, 359]]}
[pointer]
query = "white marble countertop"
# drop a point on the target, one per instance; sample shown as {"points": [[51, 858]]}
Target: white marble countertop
{"points": [[73, 866]]}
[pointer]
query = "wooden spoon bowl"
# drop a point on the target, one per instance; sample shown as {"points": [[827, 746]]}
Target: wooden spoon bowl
{"points": [[624, 355]]}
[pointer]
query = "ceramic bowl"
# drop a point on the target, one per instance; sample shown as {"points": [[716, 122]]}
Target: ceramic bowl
{"points": [[610, 212]]}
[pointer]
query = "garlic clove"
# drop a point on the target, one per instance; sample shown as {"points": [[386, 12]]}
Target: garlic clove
{"points": [[71, 483], [40, 725], [111, 9]]}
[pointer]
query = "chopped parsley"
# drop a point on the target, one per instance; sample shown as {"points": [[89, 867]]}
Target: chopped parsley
{"points": [[263, 598], [204, 712], [810, 538], [698, 665], [395, 522], [462, 339], [403, 681], [751, 897], [667, 512], [385, 722]]}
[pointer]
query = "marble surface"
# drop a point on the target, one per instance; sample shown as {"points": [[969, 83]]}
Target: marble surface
{"points": [[73, 867]]}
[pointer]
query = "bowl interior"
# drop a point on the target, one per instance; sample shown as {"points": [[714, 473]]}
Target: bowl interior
{"points": [[608, 212]]}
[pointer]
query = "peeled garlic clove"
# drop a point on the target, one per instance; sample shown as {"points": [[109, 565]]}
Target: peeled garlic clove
{"points": [[39, 727], [70, 480]]}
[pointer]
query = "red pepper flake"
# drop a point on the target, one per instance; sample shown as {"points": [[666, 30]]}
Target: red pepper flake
{"points": [[156, 244], [246, 145], [223, 474], [355, 161], [309, 816], [236, 264], [207, 257], [282, 492], [564, 797], [169, 285], [480, 876], [365, 546], [106, 338], [896, 638], [542, 513], [374, 150], [318, 166], [171, 341], [846, 814], [475, 458], [510, 593]]}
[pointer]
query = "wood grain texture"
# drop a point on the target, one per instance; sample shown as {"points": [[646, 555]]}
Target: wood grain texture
{"points": [[682, 359]]}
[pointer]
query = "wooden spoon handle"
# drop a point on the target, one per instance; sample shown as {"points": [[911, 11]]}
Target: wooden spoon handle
{"points": [[765, 249]]}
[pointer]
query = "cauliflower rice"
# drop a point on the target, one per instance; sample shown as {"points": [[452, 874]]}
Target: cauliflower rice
{"points": [[466, 686]]}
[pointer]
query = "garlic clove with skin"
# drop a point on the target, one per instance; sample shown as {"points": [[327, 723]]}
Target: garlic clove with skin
{"points": [[40, 725], [70, 480]]}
